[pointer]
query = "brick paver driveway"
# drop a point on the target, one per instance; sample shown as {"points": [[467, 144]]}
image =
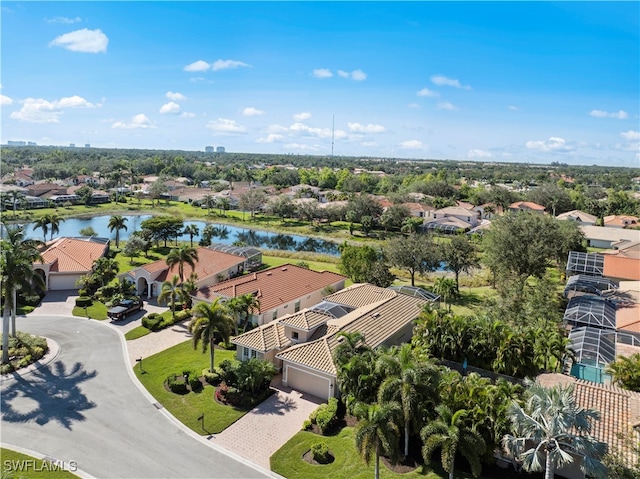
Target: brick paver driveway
{"points": [[266, 428]]}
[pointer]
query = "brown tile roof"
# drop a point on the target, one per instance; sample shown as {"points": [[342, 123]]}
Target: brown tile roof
{"points": [[619, 408], [73, 254], [274, 286], [306, 319], [359, 295], [264, 338], [621, 221], [621, 267], [628, 317], [377, 322], [526, 205], [209, 263]]}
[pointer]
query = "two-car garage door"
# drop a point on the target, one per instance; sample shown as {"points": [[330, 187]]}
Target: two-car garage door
{"points": [[307, 382]]}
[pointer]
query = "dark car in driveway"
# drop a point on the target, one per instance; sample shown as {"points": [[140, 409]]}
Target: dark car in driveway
{"points": [[125, 307]]}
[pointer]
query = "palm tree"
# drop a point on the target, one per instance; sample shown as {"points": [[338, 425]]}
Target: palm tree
{"points": [[223, 204], [209, 201], [117, 223], [170, 292], [209, 320], [625, 372], [106, 269], [409, 383], [446, 288], [43, 224], [192, 230], [17, 256], [450, 433], [16, 197], [350, 345], [247, 304], [377, 432], [551, 429], [54, 223], [180, 256]]}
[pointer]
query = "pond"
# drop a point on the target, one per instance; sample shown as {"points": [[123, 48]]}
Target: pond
{"points": [[225, 234]]}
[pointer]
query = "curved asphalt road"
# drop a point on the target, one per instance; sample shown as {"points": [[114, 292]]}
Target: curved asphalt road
{"points": [[85, 407]]}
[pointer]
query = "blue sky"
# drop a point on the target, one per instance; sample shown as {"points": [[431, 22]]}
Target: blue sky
{"points": [[505, 81]]}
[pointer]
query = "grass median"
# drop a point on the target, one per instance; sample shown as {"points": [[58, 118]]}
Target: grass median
{"points": [[189, 407]]}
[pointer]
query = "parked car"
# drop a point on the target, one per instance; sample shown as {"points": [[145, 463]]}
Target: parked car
{"points": [[125, 307]]}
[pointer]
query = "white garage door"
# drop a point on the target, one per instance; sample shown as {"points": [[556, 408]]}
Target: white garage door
{"points": [[307, 383], [58, 282]]}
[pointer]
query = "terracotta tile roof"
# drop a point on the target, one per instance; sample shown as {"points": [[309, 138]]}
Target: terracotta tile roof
{"points": [[73, 254], [621, 267], [619, 409], [377, 322], [209, 263], [264, 338], [526, 205], [274, 286], [358, 295], [620, 221], [628, 317]]}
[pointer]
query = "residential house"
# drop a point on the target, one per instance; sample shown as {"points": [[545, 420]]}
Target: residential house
{"points": [[215, 264], [579, 216], [623, 262], [489, 211], [620, 221], [519, 206], [453, 219], [281, 290], [600, 237], [66, 260], [418, 210]]}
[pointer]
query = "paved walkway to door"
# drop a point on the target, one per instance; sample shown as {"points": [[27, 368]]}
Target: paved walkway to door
{"points": [[266, 428]]}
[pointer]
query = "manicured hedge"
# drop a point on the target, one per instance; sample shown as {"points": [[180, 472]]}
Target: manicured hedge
{"points": [[84, 301]]}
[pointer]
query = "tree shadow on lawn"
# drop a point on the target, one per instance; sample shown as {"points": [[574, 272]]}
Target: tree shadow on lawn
{"points": [[49, 394]]}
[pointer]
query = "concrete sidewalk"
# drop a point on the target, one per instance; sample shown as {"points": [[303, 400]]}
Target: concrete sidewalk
{"points": [[153, 343]]}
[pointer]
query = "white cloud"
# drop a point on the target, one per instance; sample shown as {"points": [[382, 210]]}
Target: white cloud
{"points": [[199, 66], [251, 111], [370, 128], [187, 114], [276, 129], [65, 20], [175, 96], [479, 154], [306, 130], [196, 79], [5, 100], [305, 115], [620, 115], [227, 65], [39, 110], [301, 146], [171, 107], [85, 40], [271, 138], [429, 93], [411, 145], [512, 107], [140, 121], [322, 73], [630, 135], [225, 125], [552, 144], [358, 75], [442, 80], [343, 74], [445, 105], [369, 144]]}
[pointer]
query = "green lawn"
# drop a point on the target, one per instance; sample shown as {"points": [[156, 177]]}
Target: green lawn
{"points": [[96, 311], [189, 407], [287, 461], [32, 468], [136, 333]]}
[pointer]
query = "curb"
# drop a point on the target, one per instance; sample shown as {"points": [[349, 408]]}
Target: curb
{"points": [[51, 355], [64, 465]]}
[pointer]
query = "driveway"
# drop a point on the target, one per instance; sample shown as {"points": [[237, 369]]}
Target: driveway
{"points": [[86, 406], [57, 302], [266, 428]]}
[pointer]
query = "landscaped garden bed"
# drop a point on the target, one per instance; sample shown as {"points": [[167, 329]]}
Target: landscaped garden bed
{"points": [[24, 349]]}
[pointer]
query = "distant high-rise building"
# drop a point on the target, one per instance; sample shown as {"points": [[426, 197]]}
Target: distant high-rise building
{"points": [[208, 149], [87, 145], [72, 145], [31, 143], [16, 143], [220, 149]]}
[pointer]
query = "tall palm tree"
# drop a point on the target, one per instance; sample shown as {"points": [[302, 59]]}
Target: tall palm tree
{"points": [[450, 433], [446, 288], [54, 223], [350, 345], [625, 372], [209, 201], [180, 256], [170, 292], [43, 224], [223, 204], [192, 230], [17, 256], [551, 429], [247, 304], [377, 432], [117, 223], [106, 269], [209, 320], [16, 197], [409, 383]]}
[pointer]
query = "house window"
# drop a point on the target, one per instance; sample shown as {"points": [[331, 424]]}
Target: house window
{"points": [[294, 335], [275, 315], [297, 306], [248, 353]]}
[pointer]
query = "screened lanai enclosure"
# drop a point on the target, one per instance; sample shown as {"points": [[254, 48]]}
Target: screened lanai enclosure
{"points": [[585, 284], [590, 311], [594, 349], [591, 264]]}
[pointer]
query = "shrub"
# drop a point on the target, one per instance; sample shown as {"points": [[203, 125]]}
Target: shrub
{"points": [[229, 371], [177, 385], [306, 425], [183, 314], [194, 383], [320, 452], [84, 301], [152, 321], [212, 378], [327, 416]]}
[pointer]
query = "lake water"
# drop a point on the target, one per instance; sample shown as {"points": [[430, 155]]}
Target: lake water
{"points": [[226, 234]]}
